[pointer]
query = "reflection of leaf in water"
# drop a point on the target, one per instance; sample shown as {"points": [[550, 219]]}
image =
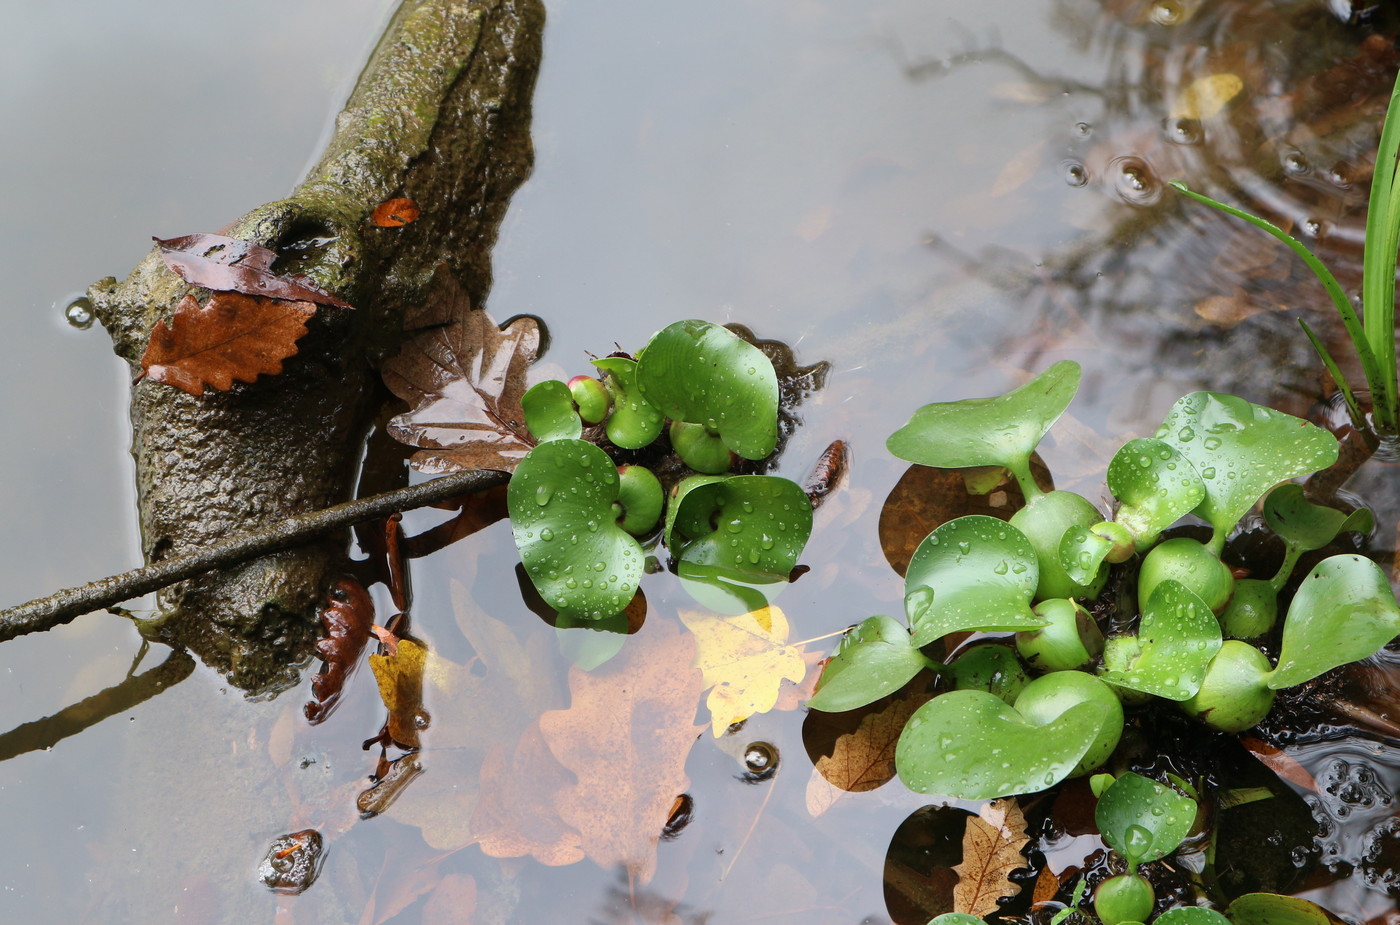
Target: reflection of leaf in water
{"points": [[626, 736], [991, 851], [864, 759], [744, 660], [464, 379]]}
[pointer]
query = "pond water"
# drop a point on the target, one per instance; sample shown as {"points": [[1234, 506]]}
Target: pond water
{"points": [[934, 196]]}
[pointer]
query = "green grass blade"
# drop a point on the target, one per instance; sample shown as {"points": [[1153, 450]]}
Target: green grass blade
{"points": [[1358, 420], [1378, 279]]}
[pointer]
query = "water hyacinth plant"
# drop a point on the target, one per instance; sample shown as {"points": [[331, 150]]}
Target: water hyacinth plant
{"points": [[577, 517], [1051, 704]]}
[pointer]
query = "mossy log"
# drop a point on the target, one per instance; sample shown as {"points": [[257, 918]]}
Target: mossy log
{"points": [[440, 115]]}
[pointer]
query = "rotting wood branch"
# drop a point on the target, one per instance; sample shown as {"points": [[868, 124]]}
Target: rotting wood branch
{"points": [[64, 606], [441, 116]]}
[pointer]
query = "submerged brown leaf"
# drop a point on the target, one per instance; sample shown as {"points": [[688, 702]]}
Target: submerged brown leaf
{"points": [[515, 816], [346, 619], [463, 381], [864, 759], [232, 338], [226, 264], [991, 851]]}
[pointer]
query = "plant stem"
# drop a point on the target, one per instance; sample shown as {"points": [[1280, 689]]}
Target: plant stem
{"points": [[64, 606]]}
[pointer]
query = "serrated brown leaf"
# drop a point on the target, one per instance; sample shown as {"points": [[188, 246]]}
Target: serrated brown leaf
{"points": [[346, 619], [992, 846], [862, 760], [395, 213], [226, 264], [1047, 885], [463, 381], [515, 816], [626, 736], [232, 338]]}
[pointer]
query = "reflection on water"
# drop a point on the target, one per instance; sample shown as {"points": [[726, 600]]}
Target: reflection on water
{"points": [[936, 196]]}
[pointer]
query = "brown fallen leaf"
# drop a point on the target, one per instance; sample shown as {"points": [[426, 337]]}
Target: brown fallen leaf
{"points": [[626, 736], [232, 265], [1280, 762], [744, 660], [1047, 885], [347, 619], [515, 815], [400, 678], [864, 759], [453, 901], [463, 381], [395, 213], [991, 850], [233, 337]]}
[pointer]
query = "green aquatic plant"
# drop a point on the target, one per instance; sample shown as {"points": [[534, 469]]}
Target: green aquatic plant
{"points": [[1215, 456], [1373, 334], [577, 516]]}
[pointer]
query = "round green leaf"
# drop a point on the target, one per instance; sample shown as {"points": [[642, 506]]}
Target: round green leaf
{"points": [[1000, 431], [1241, 450], [1143, 820], [1343, 611], [750, 527], [704, 373], [972, 746], [1176, 641], [560, 500], [634, 422], [1156, 485], [972, 573], [873, 659], [956, 918], [1082, 553], [1275, 909], [1190, 915], [1300, 523], [549, 412]]}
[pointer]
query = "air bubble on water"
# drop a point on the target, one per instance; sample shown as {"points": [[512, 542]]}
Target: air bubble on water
{"points": [[79, 313]]}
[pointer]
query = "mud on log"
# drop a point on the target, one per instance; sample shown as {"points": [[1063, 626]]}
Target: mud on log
{"points": [[440, 115]]}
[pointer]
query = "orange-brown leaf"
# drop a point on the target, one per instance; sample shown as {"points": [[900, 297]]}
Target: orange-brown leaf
{"points": [[233, 338], [226, 264], [464, 381], [347, 620], [992, 846], [515, 814], [395, 213], [626, 736], [862, 760], [1280, 762]]}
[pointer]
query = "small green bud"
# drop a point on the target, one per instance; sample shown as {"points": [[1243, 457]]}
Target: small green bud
{"points": [[1235, 694], [1252, 611], [640, 497], [700, 449], [1070, 639], [991, 667], [1124, 898], [1044, 521], [1191, 563], [591, 397]]}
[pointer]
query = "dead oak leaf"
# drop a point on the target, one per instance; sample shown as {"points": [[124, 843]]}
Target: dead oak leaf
{"points": [[515, 815], [992, 845], [863, 759], [226, 264], [744, 660], [626, 736], [232, 338], [464, 381]]}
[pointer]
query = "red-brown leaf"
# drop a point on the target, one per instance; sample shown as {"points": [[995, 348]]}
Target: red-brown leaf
{"points": [[232, 265], [347, 620], [395, 213], [464, 381], [234, 337]]}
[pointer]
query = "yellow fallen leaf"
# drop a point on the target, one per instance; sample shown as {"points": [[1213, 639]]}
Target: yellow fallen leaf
{"points": [[992, 845], [1206, 96], [400, 680], [744, 660]]}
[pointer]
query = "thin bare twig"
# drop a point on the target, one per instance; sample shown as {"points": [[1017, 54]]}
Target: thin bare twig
{"points": [[64, 606]]}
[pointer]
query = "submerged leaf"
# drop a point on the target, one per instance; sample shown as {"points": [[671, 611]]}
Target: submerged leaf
{"points": [[464, 381], [992, 846], [395, 213], [232, 338], [861, 760], [744, 660], [346, 620]]}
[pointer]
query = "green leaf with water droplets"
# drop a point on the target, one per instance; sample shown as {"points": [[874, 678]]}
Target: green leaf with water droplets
{"points": [[1190, 915], [1156, 486], [1082, 553], [999, 431], [1177, 639], [1343, 611], [634, 422], [873, 659], [973, 746], [1275, 909], [1241, 450], [956, 918], [1143, 820], [704, 373], [549, 412], [972, 573], [750, 527], [561, 511]]}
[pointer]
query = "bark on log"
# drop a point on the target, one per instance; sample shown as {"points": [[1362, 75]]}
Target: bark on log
{"points": [[440, 115]]}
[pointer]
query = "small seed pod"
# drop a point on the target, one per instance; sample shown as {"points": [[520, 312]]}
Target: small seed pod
{"points": [[1124, 898]]}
